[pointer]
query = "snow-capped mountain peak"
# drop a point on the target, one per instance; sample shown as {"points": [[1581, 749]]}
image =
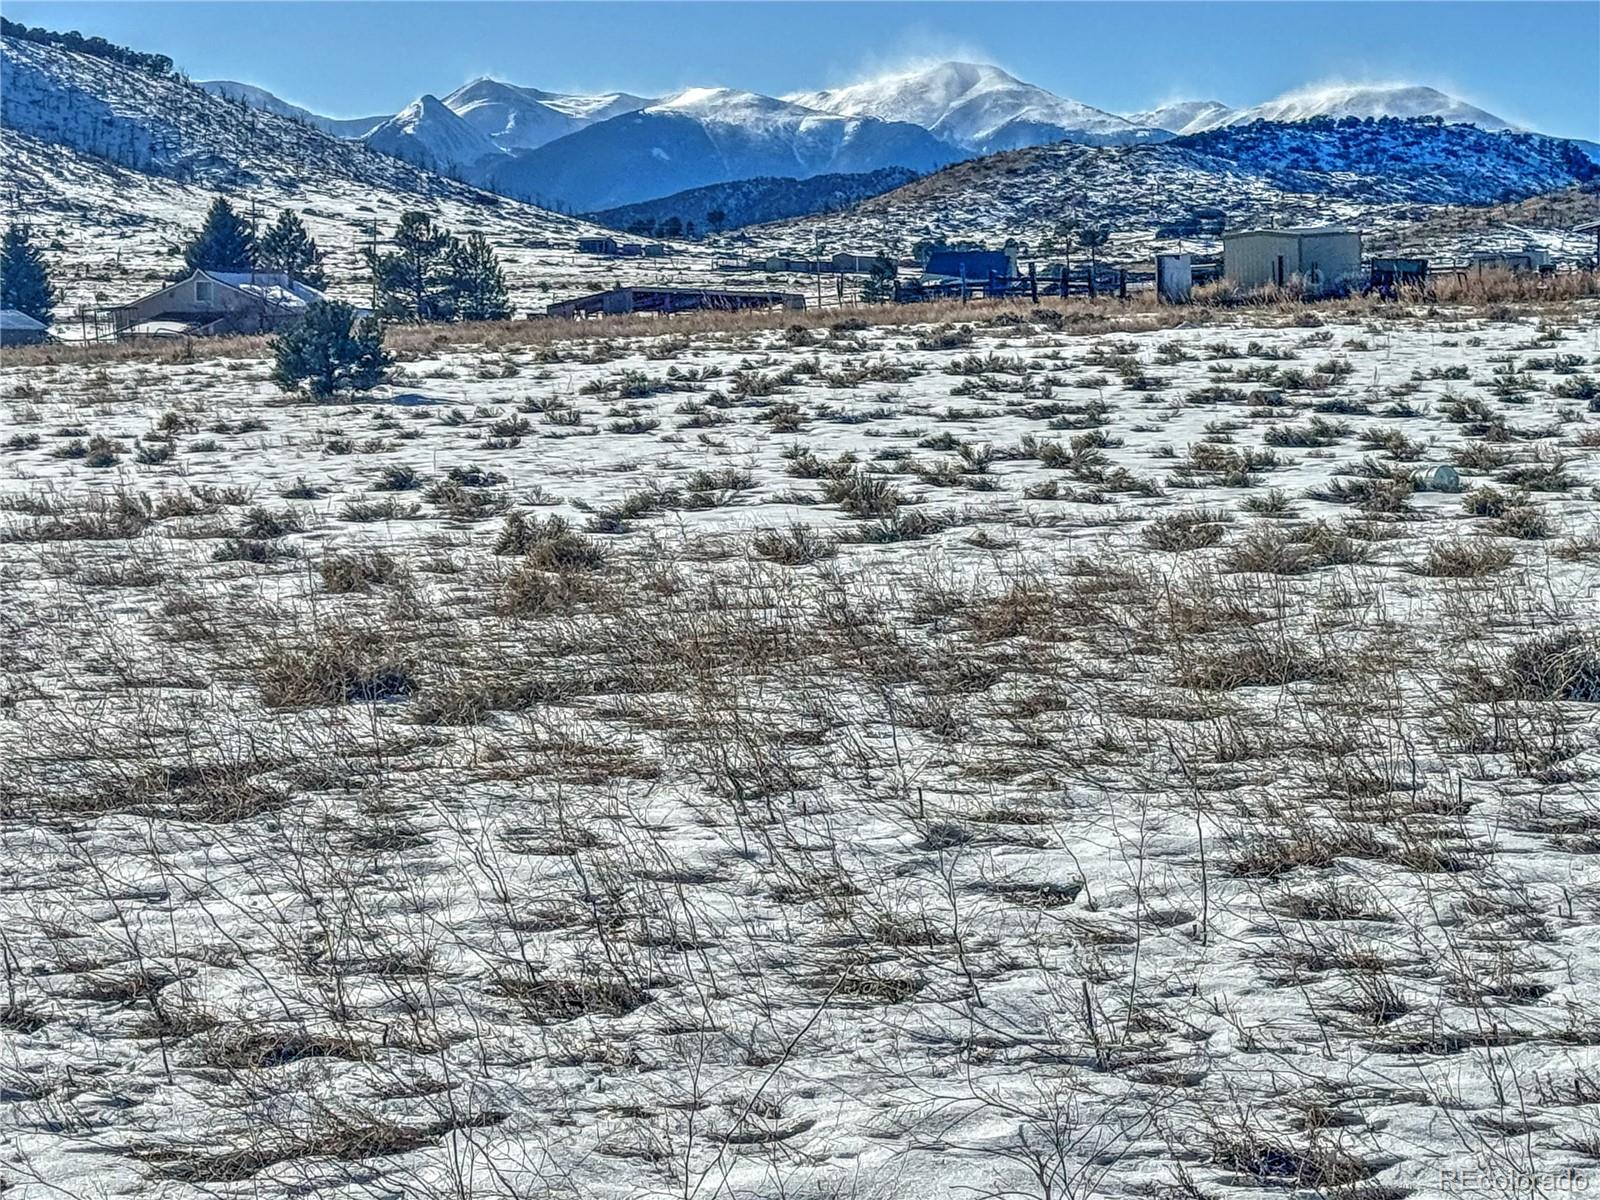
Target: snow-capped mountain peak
{"points": [[724, 104], [515, 117], [428, 133], [976, 106]]}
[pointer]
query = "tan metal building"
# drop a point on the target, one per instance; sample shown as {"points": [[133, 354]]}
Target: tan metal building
{"points": [[1323, 259]]}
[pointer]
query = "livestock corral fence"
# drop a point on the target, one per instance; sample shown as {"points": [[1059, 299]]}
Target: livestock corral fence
{"points": [[1377, 276]]}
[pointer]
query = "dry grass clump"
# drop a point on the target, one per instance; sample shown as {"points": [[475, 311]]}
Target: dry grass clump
{"points": [[336, 665], [797, 546], [550, 545], [1466, 559], [1294, 550], [1556, 666], [1262, 664], [1186, 531], [358, 570]]}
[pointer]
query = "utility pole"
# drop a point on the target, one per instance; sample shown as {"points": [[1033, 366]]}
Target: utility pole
{"points": [[816, 264], [372, 260]]}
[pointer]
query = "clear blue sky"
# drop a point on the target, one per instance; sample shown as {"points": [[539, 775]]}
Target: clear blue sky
{"points": [[1533, 63]]}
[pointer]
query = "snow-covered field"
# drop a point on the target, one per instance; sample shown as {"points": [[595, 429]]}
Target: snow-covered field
{"points": [[942, 761]]}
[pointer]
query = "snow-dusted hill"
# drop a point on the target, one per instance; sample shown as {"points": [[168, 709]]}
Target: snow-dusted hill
{"points": [[430, 135], [752, 201], [524, 118], [1387, 171], [259, 97], [709, 135], [1401, 100], [979, 108], [1186, 116], [1363, 100]]}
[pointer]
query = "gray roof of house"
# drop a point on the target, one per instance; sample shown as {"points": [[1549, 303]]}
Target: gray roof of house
{"points": [[274, 288], [1299, 231], [10, 318]]}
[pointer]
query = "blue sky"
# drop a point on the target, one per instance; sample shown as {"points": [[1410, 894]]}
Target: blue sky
{"points": [[1533, 63]]}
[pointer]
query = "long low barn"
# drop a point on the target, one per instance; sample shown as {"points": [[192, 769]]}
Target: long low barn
{"points": [[670, 300]]}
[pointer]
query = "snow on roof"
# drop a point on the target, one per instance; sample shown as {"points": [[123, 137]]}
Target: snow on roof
{"points": [[1295, 231], [274, 288], [161, 328], [10, 318]]}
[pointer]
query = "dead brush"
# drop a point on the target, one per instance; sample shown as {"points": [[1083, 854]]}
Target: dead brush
{"points": [[1193, 530], [357, 570], [1373, 999], [1466, 559], [546, 1000], [863, 495], [1557, 666], [797, 546], [1262, 1159], [551, 544], [324, 1136], [338, 664], [1292, 551], [1261, 664]]}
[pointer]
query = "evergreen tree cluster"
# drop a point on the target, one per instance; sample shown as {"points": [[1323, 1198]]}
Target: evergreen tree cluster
{"points": [[24, 277], [432, 275], [98, 47], [672, 228], [227, 242]]}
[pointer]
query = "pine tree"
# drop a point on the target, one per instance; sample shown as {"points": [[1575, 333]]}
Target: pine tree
{"points": [[225, 242], [1091, 238], [413, 279], [477, 284], [24, 278], [288, 249], [879, 287], [330, 351]]}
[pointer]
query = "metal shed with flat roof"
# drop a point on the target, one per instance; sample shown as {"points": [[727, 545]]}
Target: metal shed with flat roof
{"points": [[1319, 259]]}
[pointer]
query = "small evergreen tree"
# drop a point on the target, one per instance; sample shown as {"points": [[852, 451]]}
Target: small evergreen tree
{"points": [[1091, 238], [330, 351], [289, 249], [716, 218], [477, 284], [879, 287], [24, 277], [413, 280], [225, 242]]}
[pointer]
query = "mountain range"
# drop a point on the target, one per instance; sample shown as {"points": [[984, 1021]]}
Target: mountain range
{"points": [[577, 152], [112, 162]]}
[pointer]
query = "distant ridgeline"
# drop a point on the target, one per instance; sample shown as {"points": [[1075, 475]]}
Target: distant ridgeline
{"points": [[98, 47], [1390, 145]]}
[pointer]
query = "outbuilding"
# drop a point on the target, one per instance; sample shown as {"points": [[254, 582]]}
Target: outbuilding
{"points": [[1529, 258], [975, 266], [623, 300], [19, 329], [1319, 259]]}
